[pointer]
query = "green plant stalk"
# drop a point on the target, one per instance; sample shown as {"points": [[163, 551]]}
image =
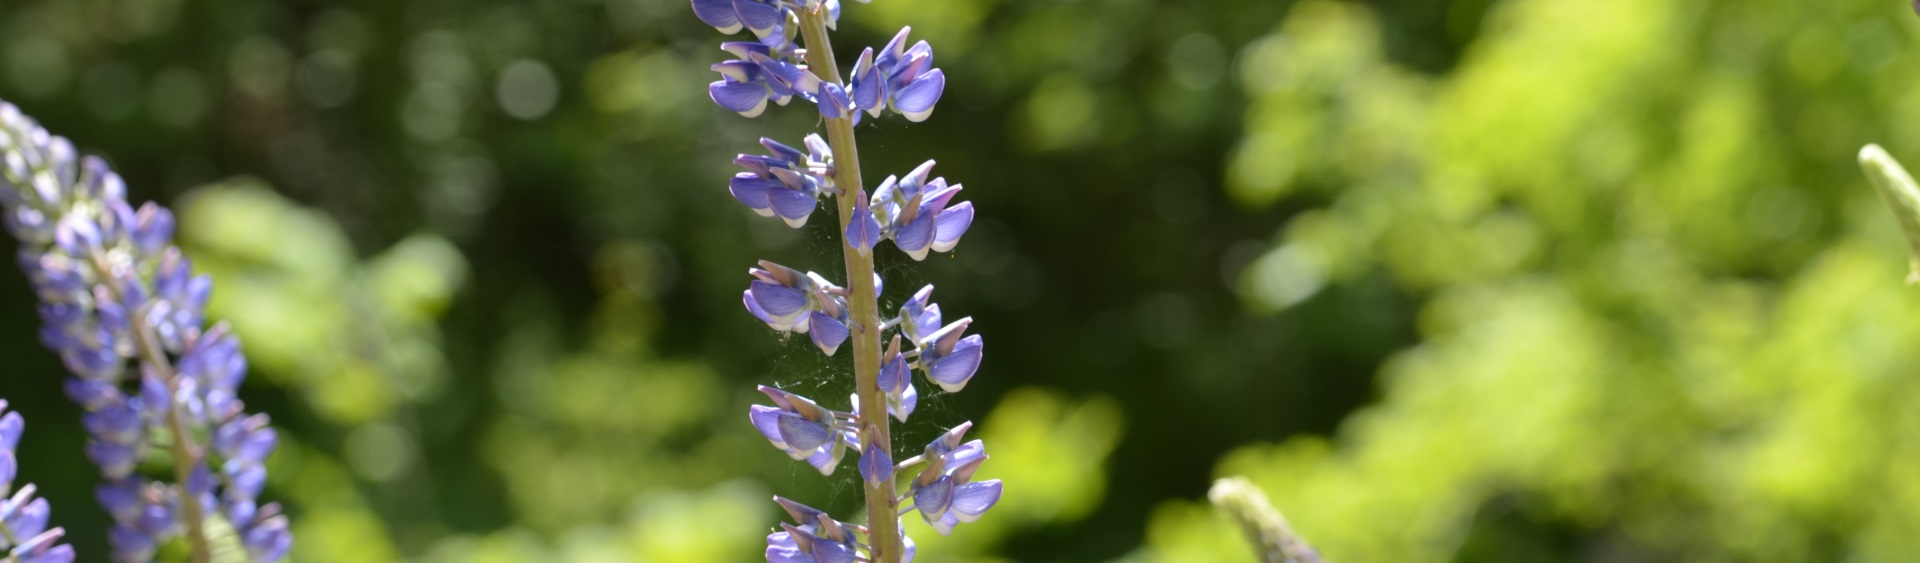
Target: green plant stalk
{"points": [[1901, 194], [1273, 540], [883, 507]]}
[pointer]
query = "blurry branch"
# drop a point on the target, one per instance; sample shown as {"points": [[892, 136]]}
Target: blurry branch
{"points": [[1898, 188], [1273, 541]]}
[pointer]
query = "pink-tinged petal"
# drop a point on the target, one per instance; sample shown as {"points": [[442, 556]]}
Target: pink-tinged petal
{"points": [[745, 98], [950, 225], [744, 49], [917, 99], [939, 194], [896, 48]]}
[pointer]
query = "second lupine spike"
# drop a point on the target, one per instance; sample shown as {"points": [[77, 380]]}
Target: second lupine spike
{"points": [[116, 294], [916, 212]]}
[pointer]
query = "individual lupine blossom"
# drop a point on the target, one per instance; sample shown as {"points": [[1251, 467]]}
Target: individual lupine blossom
{"points": [[912, 212], [944, 492], [23, 518], [789, 301], [900, 78], [785, 182], [804, 429], [123, 310], [816, 537]]}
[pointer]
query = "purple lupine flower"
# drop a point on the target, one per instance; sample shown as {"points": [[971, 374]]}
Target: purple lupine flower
{"points": [[896, 382], [123, 310], [803, 429], [23, 517], [863, 232], [786, 182], [899, 78], [789, 301], [944, 492], [876, 465], [913, 212], [950, 359], [814, 538], [761, 73]]}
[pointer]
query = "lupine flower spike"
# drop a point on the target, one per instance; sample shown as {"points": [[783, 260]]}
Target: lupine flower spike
{"points": [[121, 307], [915, 211]]}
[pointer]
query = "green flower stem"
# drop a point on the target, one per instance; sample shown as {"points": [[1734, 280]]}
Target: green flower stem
{"points": [[1901, 194], [862, 305], [1273, 541]]}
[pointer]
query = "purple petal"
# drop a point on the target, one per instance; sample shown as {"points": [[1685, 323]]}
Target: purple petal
{"points": [[953, 370], [745, 98], [29, 520], [828, 458], [893, 374], [269, 541], [938, 193], [778, 300], [719, 14], [751, 190], [834, 103], [902, 406], [759, 15], [891, 54], [767, 420], [932, 500], [916, 100], [950, 225], [865, 86], [792, 205], [863, 231], [827, 332], [11, 427], [916, 237], [800, 433], [753, 307], [782, 151], [875, 465]]}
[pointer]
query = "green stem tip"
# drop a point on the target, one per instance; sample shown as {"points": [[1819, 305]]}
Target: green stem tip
{"points": [[1902, 195]]}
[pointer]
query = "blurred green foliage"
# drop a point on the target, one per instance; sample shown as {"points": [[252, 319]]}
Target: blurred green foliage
{"points": [[1662, 315], [1476, 280]]}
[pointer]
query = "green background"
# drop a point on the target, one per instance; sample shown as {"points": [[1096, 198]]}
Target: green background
{"points": [[1467, 280]]}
